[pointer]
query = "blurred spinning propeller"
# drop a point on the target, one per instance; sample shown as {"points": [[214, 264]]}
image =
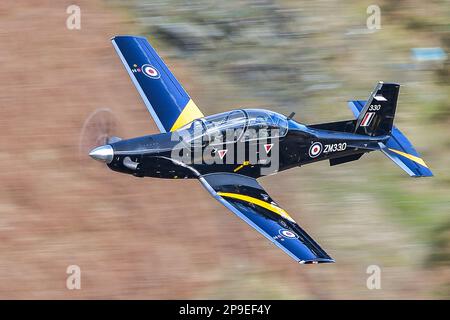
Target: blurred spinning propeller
{"points": [[100, 128]]}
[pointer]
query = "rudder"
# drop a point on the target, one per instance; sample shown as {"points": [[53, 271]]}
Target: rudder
{"points": [[377, 115]]}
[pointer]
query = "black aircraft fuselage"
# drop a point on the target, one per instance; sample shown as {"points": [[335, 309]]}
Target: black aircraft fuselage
{"points": [[285, 144]]}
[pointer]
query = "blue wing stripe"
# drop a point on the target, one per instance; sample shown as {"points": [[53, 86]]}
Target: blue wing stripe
{"points": [[255, 226], [230, 207], [162, 94], [299, 246], [139, 89]]}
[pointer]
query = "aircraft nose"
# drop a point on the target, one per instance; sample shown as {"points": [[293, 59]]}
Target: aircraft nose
{"points": [[103, 153]]}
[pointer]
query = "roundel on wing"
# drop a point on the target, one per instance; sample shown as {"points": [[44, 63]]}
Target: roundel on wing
{"points": [[288, 234], [150, 71]]}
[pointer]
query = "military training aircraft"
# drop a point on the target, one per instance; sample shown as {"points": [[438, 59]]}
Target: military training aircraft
{"points": [[227, 152]]}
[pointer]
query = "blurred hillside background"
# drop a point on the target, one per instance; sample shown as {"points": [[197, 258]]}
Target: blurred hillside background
{"points": [[150, 238]]}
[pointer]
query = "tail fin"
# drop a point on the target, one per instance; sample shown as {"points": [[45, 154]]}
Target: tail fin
{"points": [[377, 116], [397, 147]]}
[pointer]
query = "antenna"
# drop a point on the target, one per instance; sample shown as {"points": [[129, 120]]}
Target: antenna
{"points": [[291, 116]]}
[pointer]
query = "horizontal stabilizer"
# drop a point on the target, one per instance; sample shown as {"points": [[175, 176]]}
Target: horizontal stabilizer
{"points": [[356, 106], [400, 150]]}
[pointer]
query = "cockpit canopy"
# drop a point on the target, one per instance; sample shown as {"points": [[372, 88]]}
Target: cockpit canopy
{"points": [[243, 125]]}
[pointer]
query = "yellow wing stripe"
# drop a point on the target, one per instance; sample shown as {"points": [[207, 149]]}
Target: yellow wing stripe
{"points": [[258, 202], [189, 113], [246, 163], [410, 157]]}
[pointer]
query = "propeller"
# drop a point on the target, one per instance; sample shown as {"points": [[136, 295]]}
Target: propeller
{"points": [[100, 128]]}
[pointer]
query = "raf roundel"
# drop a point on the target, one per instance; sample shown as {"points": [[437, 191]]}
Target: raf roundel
{"points": [[315, 150], [288, 234], [150, 71]]}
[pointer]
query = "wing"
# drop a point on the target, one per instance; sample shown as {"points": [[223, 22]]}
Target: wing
{"points": [[166, 100], [248, 200]]}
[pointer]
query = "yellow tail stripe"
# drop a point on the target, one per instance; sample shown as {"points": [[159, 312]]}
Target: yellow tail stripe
{"points": [[189, 113], [258, 202], [410, 157]]}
